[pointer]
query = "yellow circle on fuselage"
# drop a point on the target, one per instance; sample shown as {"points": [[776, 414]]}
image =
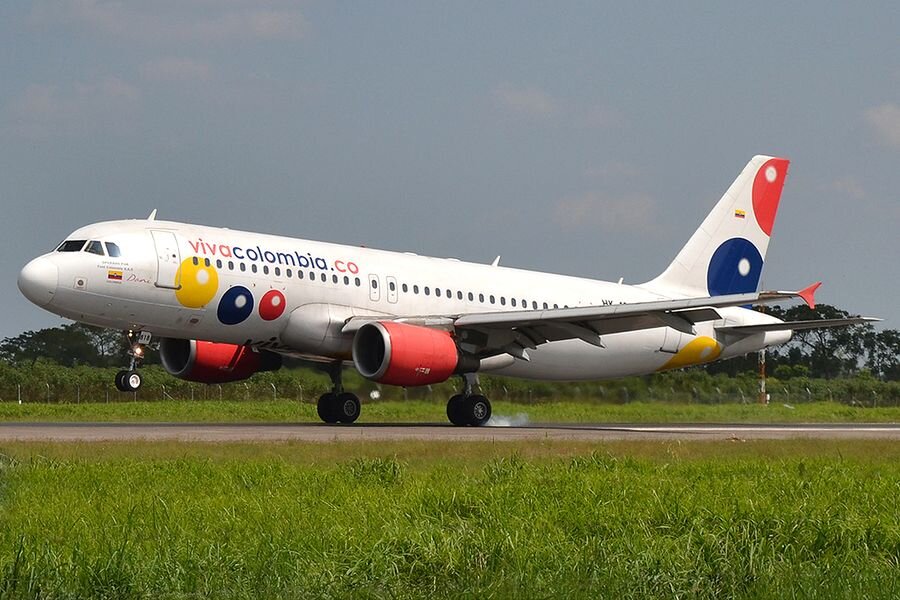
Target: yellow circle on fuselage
{"points": [[199, 283], [700, 350]]}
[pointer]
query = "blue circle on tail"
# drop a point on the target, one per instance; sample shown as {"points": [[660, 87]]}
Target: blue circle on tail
{"points": [[735, 268]]}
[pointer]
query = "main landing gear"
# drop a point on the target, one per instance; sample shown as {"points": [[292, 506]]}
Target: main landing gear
{"points": [[467, 408], [338, 406], [129, 380]]}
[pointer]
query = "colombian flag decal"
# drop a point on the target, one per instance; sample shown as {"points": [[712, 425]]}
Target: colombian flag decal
{"points": [[740, 214], [113, 275]]}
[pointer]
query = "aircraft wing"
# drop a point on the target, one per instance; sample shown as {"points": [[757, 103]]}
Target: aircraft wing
{"points": [[514, 332]]}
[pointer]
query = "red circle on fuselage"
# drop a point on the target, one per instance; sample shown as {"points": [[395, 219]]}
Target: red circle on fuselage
{"points": [[272, 305]]}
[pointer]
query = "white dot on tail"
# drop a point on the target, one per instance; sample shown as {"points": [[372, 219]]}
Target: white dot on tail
{"points": [[202, 276], [240, 301], [744, 267], [771, 174], [276, 301]]}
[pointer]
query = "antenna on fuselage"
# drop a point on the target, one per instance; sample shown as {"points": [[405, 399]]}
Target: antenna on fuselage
{"points": [[152, 216], [496, 261]]}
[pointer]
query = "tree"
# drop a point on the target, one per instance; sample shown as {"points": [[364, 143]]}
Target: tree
{"points": [[828, 353], [69, 345], [883, 350]]}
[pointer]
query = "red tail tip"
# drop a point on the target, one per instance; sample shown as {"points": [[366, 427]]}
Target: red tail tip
{"points": [[809, 294]]}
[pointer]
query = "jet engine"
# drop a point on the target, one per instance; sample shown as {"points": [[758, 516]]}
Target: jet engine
{"points": [[209, 362], [407, 355]]}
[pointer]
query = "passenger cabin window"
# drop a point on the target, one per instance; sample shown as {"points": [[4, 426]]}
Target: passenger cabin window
{"points": [[71, 246], [113, 249], [94, 247]]}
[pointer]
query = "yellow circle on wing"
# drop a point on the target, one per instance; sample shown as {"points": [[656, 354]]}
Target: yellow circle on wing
{"points": [[199, 283]]}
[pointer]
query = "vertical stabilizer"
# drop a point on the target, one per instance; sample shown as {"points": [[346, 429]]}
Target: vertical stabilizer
{"points": [[726, 254]]}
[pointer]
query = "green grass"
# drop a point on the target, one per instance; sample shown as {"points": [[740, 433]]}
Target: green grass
{"points": [[414, 519], [585, 411]]}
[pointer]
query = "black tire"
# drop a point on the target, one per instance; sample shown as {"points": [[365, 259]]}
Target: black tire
{"points": [[120, 380], [347, 407], [326, 408], [477, 410], [456, 410], [131, 381]]}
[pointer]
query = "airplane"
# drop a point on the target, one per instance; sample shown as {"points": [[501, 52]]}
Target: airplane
{"points": [[225, 304]]}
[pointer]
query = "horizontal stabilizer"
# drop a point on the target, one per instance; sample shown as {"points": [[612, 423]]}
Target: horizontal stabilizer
{"points": [[797, 325], [807, 294]]}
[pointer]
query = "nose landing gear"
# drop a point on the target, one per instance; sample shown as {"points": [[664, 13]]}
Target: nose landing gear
{"points": [[129, 380]]}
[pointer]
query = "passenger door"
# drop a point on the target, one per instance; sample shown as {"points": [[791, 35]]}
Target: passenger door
{"points": [[168, 259], [391, 289], [374, 291]]}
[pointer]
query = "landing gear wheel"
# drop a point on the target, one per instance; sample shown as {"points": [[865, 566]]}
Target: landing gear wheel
{"points": [[477, 410], [120, 380], [128, 381], [347, 407], [456, 410], [327, 408]]}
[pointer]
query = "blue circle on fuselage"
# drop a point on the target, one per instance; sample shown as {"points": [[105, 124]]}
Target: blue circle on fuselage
{"points": [[735, 268], [235, 306]]}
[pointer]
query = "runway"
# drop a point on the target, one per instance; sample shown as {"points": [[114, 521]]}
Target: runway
{"points": [[319, 432]]}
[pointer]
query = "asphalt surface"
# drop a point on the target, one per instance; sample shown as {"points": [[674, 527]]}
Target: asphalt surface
{"points": [[320, 432]]}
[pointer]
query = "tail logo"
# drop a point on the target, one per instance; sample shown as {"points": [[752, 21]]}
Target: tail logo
{"points": [[735, 268], [767, 192]]}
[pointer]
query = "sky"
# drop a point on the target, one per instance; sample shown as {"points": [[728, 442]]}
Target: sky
{"points": [[586, 138]]}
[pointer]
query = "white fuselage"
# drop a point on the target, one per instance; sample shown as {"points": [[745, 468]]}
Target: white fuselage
{"points": [[150, 286]]}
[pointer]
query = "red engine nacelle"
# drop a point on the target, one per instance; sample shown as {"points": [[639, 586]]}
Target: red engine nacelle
{"points": [[402, 354], [209, 362]]}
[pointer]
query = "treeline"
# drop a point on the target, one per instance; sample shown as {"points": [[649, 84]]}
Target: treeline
{"points": [[43, 381]]}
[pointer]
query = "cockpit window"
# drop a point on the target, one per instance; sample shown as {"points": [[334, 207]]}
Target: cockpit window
{"points": [[113, 249], [94, 247], [71, 246]]}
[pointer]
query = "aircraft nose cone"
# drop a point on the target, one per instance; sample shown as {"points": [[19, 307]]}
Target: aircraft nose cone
{"points": [[38, 281]]}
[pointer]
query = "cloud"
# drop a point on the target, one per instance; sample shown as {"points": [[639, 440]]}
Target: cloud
{"points": [[885, 123], [633, 212], [525, 101], [612, 170], [42, 110], [176, 69], [175, 21], [603, 117], [849, 187]]}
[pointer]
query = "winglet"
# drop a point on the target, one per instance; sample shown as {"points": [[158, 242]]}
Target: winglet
{"points": [[809, 294]]}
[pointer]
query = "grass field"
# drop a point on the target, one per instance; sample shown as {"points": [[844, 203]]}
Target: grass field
{"points": [[471, 520], [428, 412]]}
